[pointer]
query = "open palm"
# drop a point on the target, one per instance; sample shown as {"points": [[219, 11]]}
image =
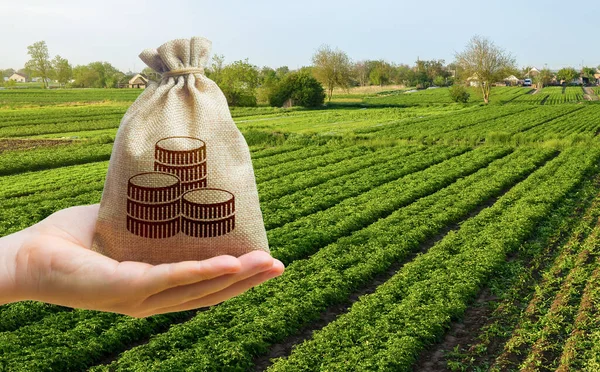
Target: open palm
{"points": [[55, 264]]}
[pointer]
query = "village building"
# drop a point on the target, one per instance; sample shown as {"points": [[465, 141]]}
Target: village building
{"points": [[138, 81], [19, 78]]}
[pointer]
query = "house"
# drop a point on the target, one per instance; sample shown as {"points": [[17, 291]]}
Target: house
{"points": [[138, 81], [473, 80], [597, 77], [511, 80], [19, 78], [532, 73]]}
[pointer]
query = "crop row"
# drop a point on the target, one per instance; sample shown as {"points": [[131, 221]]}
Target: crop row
{"points": [[61, 319], [386, 330], [515, 283], [332, 159], [583, 122], [233, 333], [303, 174], [492, 130], [27, 209], [16, 161], [313, 199], [435, 128], [11, 118]]}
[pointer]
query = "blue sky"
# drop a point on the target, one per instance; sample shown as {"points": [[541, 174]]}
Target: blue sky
{"points": [[277, 33]]}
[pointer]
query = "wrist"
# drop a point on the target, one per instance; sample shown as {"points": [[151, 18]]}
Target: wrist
{"points": [[11, 289]]}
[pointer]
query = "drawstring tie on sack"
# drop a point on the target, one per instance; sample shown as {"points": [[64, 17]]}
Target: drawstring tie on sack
{"points": [[184, 71]]}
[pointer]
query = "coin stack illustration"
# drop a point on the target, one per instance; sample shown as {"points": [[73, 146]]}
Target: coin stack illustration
{"points": [[175, 197], [184, 157], [207, 212], [153, 204]]}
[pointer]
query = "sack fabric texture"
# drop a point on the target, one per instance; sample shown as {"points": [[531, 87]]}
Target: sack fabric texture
{"points": [[180, 183]]}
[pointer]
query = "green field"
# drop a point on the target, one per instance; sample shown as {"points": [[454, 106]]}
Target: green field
{"points": [[418, 234]]}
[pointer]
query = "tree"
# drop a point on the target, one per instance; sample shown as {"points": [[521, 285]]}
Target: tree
{"points": [[381, 73], [301, 87], [567, 74], [63, 72], [331, 68], [588, 73], [239, 81], [405, 75], [108, 75], [149, 73], [39, 64], [85, 77], [360, 73], [543, 78], [216, 67], [8, 72], [485, 61]]}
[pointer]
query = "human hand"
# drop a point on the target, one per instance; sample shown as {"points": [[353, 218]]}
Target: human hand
{"points": [[52, 262]]}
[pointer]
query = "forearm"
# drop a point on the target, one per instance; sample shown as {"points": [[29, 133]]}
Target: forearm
{"points": [[9, 248]]}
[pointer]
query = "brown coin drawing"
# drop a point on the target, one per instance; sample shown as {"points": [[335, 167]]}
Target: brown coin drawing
{"points": [[155, 206], [206, 213]]}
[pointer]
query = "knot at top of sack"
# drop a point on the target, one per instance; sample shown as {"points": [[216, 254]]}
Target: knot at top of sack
{"points": [[178, 57]]}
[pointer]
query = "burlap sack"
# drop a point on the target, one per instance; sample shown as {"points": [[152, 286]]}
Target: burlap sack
{"points": [[180, 183]]}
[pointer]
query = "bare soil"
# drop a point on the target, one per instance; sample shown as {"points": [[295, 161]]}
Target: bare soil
{"points": [[26, 144]]}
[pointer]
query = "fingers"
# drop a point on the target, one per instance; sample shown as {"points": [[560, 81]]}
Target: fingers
{"points": [[230, 292], [251, 264], [166, 276]]}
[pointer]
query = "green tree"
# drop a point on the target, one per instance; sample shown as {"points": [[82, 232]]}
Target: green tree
{"points": [[489, 63], [381, 73], [567, 74], [39, 64], [301, 87], [331, 68], [282, 71], [239, 81], [216, 68], [85, 77], [588, 73], [63, 72], [405, 75], [543, 78]]}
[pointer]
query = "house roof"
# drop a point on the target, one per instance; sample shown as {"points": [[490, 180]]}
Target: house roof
{"points": [[512, 78], [19, 74], [138, 79]]}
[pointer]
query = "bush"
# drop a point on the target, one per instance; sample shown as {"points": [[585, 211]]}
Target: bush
{"points": [[301, 88], [458, 93], [439, 81]]}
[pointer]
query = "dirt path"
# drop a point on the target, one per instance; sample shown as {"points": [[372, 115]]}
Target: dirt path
{"points": [[25, 144], [589, 94]]}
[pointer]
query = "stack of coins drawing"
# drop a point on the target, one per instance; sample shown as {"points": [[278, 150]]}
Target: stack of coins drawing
{"points": [[175, 197], [153, 205], [206, 213], [184, 157]]}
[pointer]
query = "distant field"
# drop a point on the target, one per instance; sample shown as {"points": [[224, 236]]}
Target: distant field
{"points": [[418, 234]]}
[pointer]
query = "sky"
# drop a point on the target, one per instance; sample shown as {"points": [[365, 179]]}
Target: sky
{"points": [[278, 33]]}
